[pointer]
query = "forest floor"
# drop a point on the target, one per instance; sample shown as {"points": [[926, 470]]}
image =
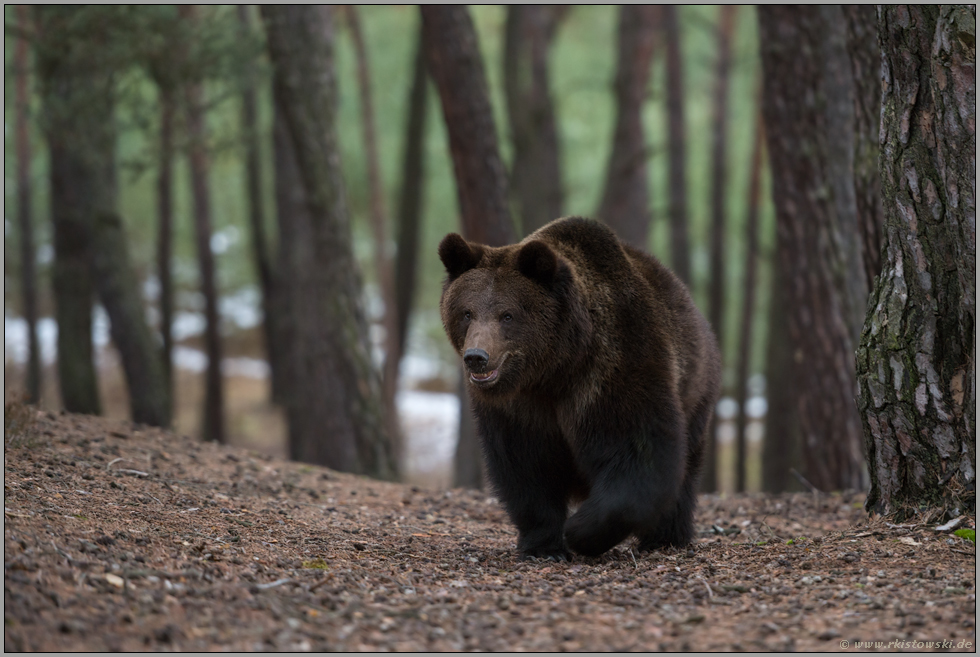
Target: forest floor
{"points": [[121, 537]]}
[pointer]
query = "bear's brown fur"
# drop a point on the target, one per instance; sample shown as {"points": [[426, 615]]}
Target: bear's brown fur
{"points": [[593, 378]]}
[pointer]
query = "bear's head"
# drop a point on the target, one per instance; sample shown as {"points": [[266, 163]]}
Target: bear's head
{"points": [[512, 313]]}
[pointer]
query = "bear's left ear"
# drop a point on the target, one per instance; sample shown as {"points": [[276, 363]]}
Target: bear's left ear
{"points": [[458, 255], [538, 262]]}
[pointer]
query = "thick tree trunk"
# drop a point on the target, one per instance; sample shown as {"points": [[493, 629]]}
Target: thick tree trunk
{"points": [[719, 177], [165, 232], [865, 60], [916, 361], [336, 414], [213, 423], [411, 198], [25, 219], [748, 305], [378, 214], [807, 138], [535, 175], [625, 202], [256, 223], [79, 98], [71, 275], [453, 56], [680, 250]]}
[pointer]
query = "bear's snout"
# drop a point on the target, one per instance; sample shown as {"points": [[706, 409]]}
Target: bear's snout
{"points": [[476, 359]]}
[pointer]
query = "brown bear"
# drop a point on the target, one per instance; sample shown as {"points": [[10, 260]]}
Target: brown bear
{"points": [[593, 378]]}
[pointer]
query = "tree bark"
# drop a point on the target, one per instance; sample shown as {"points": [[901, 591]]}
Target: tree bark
{"points": [[25, 217], [625, 203], [803, 95], [165, 231], [916, 361], [71, 275], [716, 287], [453, 57], [411, 198], [535, 175], [865, 60], [748, 304], [256, 223], [680, 249], [213, 423], [79, 116], [336, 414], [378, 213]]}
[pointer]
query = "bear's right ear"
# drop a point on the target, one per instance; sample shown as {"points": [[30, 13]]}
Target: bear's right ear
{"points": [[458, 255]]}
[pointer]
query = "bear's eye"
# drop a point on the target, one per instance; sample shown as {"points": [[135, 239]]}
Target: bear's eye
{"points": [[466, 315], [506, 317]]}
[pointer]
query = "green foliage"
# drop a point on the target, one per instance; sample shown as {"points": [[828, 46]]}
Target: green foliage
{"points": [[318, 564], [967, 534]]}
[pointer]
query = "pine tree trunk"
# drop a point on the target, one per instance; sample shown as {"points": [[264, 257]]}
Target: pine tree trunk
{"points": [[81, 129], [25, 219], [411, 198], [865, 60], [336, 414], [748, 305], [680, 249], [716, 287], [916, 360], [535, 176], [808, 134], [453, 57], [165, 232], [213, 423], [71, 276], [625, 203], [256, 223], [378, 215]]}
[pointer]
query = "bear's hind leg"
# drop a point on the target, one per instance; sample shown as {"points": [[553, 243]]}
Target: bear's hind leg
{"points": [[675, 529]]}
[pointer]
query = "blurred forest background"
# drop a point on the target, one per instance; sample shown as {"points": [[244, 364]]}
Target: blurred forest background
{"points": [[184, 101]]}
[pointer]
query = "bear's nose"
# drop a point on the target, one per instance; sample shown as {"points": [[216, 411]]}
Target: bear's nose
{"points": [[476, 359]]}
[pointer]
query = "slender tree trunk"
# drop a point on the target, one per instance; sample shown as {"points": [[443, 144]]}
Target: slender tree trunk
{"points": [[453, 57], [213, 422], [165, 232], [865, 60], [719, 178], [535, 176], [336, 413], [256, 223], [782, 443], [409, 210], [212, 425], [806, 139], [625, 202], [378, 214], [748, 304], [680, 249], [917, 357], [25, 220]]}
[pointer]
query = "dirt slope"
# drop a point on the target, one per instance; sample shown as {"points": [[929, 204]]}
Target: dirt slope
{"points": [[121, 537]]}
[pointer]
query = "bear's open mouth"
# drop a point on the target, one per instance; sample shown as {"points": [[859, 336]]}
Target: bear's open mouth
{"points": [[485, 377]]}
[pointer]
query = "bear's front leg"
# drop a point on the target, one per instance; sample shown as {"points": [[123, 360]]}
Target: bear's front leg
{"points": [[533, 474]]}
